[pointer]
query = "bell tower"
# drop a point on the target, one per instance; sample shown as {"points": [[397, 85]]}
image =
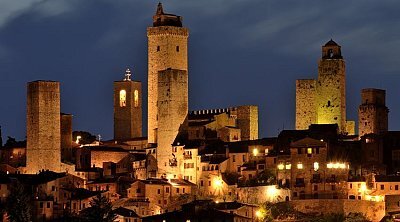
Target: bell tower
{"points": [[127, 108], [331, 87]]}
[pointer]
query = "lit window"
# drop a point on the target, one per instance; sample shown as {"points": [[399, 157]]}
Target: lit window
{"points": [[288, 166], [316, 166], [122, 98], [136, 96], [255, 151], [299, 166], [329, 165], [281, 166], [309, 150]]}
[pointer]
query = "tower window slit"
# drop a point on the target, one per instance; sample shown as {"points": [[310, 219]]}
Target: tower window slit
{"points": [[158, 48], [177, 48]]}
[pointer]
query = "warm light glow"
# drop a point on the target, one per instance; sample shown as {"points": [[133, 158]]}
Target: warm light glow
{"points": [[216, 201], [281, 166], [218, 182], [363, 187], [337, 165], [271, 191], [122, 98], [255, 152], [299, 166], [288, 166], [136, 98], [316, 166], [258, 214], [78, 138], [309, 150], [377, 198]]}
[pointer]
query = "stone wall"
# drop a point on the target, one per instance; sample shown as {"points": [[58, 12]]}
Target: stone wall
{"points": [[247, 122], [43, 127], [167, 48], [128, 116], [172, 116], [372, 113], [372, 210], [262, 194], [66, 137], [305, 103]]}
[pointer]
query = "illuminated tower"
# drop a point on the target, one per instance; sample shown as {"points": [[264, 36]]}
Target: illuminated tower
{"points": [[127, 108], [167, 48], [43, 150], [372, 113], [172, 117], [331, 86]]}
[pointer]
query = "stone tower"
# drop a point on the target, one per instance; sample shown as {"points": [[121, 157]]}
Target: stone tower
{"points": [[331, 86], [127, 108], [43, 127], [247, 121], [372, 113], [167, 48], [172, 117], [306, 113]]}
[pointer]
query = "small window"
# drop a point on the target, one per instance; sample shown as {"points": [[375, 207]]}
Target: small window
{"points": [[177, 48], [309, 150], [48, 204], [136, 98], [158, 191], [396, 187], [382, 186], [41, 204], [329, 103], [177, 190], [158, 48], [122, 98], [233, 158]]}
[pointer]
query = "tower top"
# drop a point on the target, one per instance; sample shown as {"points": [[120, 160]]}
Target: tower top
{"points": [[331, 50], [164, 19], [127, 75]]}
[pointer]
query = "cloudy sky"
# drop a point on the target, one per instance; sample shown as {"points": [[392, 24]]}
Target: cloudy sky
{"points": [[240, 52]]}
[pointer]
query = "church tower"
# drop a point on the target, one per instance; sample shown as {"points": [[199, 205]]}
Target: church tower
{"points": [[331, 86], [372, 113], [43, 122], [167, 48], [127, 108]]}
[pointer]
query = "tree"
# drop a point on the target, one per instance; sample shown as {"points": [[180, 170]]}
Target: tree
{"points": [[100, 210], [18, 206]]}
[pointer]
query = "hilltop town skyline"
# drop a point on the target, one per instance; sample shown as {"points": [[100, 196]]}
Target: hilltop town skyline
{"points": [[246, 60]]}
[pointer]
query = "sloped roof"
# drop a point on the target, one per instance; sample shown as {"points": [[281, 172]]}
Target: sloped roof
{"points": [[308, 142]]}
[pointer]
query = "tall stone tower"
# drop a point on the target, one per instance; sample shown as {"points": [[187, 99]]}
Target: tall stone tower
{"points": [[43, 127], [172, 117], [372, 113], [127, 108], [167, 48], [247, 121], [331, 86], [306, 113]]}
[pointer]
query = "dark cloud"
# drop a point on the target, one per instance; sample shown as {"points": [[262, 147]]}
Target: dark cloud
{"points": [[240, 52]]}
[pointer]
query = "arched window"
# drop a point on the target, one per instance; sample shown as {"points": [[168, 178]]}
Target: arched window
{"points": [[122, 98], [136, 98]]}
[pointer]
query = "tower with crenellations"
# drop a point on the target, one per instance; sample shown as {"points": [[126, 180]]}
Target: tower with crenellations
{"points": [[372, 113], [323, 101], [43, 127], [167, 48], [127, 108]]}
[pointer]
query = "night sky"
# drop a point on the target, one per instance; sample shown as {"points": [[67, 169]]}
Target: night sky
{"points": [[240, 52]]}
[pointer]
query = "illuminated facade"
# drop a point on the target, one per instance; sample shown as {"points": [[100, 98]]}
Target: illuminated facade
{"points": [[127, 108], [43, 127], [323, 101], [167, 48]]}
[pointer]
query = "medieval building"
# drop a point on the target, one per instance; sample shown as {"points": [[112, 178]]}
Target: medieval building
{"points": [[323, 101]]}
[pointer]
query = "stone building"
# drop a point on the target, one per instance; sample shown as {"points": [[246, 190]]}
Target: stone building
{"points": [[372, 113], [172, 117], [127, 108], [43, 127], [167, 48], [323, 101]]}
